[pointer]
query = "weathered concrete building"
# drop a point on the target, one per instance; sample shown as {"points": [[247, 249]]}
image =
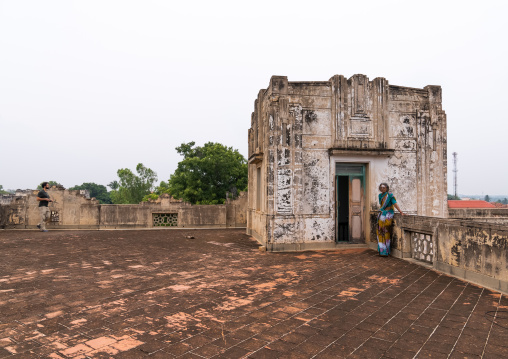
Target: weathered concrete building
{"points": [[318, 151]]}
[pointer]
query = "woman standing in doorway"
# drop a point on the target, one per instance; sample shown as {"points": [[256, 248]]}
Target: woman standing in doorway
{"points": [[387, 202]]}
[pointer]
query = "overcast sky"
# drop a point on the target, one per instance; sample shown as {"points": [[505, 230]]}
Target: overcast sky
{"points": [[88, 87]]}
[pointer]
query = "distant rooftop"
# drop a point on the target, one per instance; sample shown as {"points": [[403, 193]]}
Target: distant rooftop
{"points": [[469, 204], [500, 205]]}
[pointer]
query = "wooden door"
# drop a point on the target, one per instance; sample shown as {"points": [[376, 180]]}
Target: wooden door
{"points": [[356, 209]]}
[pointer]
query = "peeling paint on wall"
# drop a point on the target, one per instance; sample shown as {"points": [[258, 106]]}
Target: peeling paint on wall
{"points": [[316, 185], [284, 198], [286, 231], [319, 229], [317, 122], [401, 176], [283, 156]]}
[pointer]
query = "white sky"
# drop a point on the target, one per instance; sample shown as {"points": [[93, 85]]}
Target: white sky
{"points": [[88, 87]]}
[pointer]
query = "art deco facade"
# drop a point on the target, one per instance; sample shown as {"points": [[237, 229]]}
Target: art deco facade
{"points": [[318, 151]]}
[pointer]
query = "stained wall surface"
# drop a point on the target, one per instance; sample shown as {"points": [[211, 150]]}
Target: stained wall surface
{"points": [[74, 209], [301, 131], [470, 249], [490, 215]]}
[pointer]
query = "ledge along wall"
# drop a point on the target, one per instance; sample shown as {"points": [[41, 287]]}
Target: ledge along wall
{"points": [[73, 210], [471, 250]]}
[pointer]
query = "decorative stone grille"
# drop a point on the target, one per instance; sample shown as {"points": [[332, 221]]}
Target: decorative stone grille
{"points": [[422, 246], [165, 219], [55, 216]]}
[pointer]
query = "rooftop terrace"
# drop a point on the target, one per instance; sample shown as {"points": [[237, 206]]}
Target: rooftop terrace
{"points": [[160, 294]]}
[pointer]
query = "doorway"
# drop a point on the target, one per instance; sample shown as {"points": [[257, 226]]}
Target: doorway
{"points": [[350, 193]]}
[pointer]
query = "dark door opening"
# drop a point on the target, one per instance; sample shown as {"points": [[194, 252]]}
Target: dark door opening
{"points": [[349, 189], [342, 208]]}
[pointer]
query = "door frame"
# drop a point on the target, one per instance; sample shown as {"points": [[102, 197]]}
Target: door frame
{"points": [[353, 170]]}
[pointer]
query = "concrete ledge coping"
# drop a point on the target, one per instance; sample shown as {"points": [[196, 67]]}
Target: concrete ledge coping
{"points": [[361, 151], [256, 158], [473, 277], [298, 247]]}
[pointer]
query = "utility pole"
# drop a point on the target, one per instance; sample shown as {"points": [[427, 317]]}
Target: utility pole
{"points": [[455, 170]]}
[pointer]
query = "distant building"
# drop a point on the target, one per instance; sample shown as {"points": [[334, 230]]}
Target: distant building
{"points": [[470, 204]]}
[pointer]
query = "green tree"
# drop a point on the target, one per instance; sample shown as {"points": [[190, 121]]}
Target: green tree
{"points": [[487, 198], [98, 191], [51, 184], [160, 189], [2, 191], [206, 173], [451, 196], [131, 187], [114, 185]]}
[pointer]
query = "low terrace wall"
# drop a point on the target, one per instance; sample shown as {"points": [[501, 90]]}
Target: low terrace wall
{"points": [[472, 250], [73, 210], [491, 215]]}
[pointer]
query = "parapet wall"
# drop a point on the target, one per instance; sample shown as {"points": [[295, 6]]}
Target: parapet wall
{"points": [[491, 215], [74, 210], [472, 250]]}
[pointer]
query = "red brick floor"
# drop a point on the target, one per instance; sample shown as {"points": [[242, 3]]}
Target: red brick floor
{"points": [[157, 294]]}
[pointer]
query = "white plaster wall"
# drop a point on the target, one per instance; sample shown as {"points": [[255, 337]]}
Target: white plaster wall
{"points": [[401, 173], [258, 224], [316, 183], [284, 191], [378, 170], [319, 229], [401, 177], [287, 230], [317, 122]]}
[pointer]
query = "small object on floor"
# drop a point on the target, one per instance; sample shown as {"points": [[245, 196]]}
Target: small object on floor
{"points": [[39, 226], [189, 237], [44, 230], [262, 249]]}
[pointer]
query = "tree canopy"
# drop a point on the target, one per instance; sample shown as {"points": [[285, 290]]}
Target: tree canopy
{"points": [[131, 187], [113, 185], [207, 172], [98, 191], [2, 191], [160, 189]]}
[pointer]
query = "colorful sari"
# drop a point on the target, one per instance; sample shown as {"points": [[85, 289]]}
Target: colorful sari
{"points": [[384, 223]]}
